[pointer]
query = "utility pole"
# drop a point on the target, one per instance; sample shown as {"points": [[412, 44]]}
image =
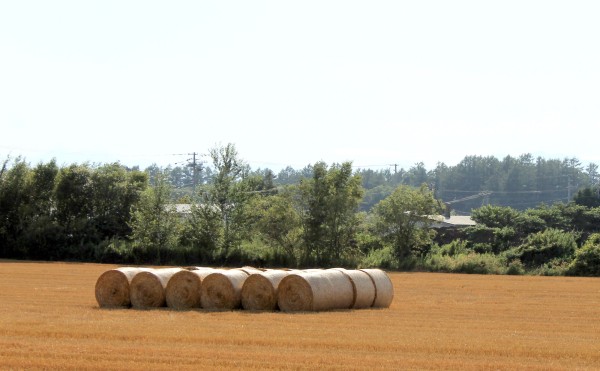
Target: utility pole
{"points": [[395, 168], [194, 166], [194, 170]]}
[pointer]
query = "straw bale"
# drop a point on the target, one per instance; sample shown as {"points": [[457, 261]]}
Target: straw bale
{"points": [[384, 289], [259, 291], [314, 291], [113, 287], [148, 288], [222, 289], [363, 288], [183, 289]]}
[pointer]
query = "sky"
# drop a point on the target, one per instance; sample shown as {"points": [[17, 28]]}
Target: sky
{"points": [[290, 83]]}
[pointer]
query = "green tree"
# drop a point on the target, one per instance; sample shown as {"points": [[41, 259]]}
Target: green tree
{"points": [[402, 220], [115, 190], [13, 199], [229, 191], [155, 223], [279, 223], [587, 258], [73, 194], [203, 230], [42, 236], [495, 216], [328, 203], [588, 197]]}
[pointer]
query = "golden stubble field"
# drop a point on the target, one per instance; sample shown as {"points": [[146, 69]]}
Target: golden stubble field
{"points": [[49, 319]]}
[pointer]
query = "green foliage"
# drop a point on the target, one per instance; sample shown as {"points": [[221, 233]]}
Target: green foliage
{"points": [[230, 190], [495, 216], [484, 239], [114, 251], [14, 200], [515, 268], [403, 223], [375, 195], [472, 263], [328, 202], [382, 258], [588, 197], [550, 246], [279, 223], [114, 191], [107, 213], [554, 267], [202, 231], [155, 225], [587, 258], [527, 223]]}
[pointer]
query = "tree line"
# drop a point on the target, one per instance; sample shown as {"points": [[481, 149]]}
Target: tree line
{"points": [[519, 182], [322, 215]]}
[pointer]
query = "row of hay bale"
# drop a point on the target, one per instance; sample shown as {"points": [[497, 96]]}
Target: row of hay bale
{"points": [[248, 288]]}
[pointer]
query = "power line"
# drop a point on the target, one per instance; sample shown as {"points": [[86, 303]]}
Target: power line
{"points": [[194, 163]]}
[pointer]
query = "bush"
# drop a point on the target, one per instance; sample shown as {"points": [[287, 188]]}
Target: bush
{"points": [[380, 258], [515, 268], [114, 251], [555, 267], [544, 247], [587, 258], [482, 248], [453, 248], [498, 239], [472, 263]]}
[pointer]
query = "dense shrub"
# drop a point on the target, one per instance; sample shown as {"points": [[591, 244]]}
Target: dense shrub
{"points": [[379, 258], [495, 216], [543, 247], [587, 258], [472, 263], [114, 251], [453, 248], [492, 239], [515, 267]]}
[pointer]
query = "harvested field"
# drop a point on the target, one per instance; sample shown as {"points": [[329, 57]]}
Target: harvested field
{"points": [[49, 319]]}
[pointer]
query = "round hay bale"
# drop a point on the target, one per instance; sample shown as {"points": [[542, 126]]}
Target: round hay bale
{"points": [[222, 290], [313, 291], [148, 288], [363, 288], [384, 289], [259, 291], [113, 287], [183, 289]]}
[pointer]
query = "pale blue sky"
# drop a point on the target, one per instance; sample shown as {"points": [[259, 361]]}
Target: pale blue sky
{"points": [[292, 83]]}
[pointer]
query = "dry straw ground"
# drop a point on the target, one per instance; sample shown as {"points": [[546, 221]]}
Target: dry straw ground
{"points": [[49, 319]]}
